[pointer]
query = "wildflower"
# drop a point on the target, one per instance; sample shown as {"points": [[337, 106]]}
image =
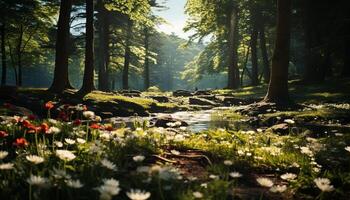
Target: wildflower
{"points": [[235, 174], [6, 166], [265, 182], [35, 159], [81, 141], [197, 195], [306, 150], [228, 162], [54, 130], [53, 121], [37, 180], [97, 119], [3, 154], [65, 155], [138, 158], [347, 148], [77, 122], [3, 134], [212, 176], [89, 114], [324, 184], [108, 164], [94, 126], [288, 176], [48, 105], [69, 141], [76, 184], [60, 174], [278, 188], [136, 194], [44, 127], [109, 189], [21, 142], [58, 144]]}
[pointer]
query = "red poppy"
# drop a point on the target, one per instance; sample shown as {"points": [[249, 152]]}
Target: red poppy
{"points": [[62, 115], [26, 123], [33, 129], [20, 142], [94, 126], [48, 105], [77, 122], [32, 117], [3, 134], [109, 128], [44, 127]]}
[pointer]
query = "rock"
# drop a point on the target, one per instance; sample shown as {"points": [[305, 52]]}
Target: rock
{"points": [[8, 92], [200, 101], [161, 99], [202, 92], [183, 93], [282, 128], [130, 93], [168, 121], [229, 101]]}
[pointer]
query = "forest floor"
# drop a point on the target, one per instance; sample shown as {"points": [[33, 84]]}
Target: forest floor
{"points": [[247, 154]]}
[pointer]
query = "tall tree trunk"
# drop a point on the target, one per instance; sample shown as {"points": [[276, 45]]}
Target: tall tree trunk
{"points": [[19, 56], [61, 79], [278, 87], [232, 81], [346, 59], [88, 79], [264, 55], [127, 55], [254, 56], [103, 58], [146, 69], [3, 55]]}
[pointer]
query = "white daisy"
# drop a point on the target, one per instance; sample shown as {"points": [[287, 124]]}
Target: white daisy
{"points": [[65, 155], [89, 114], [288, 176], [81, 140], [235, 174], [3, 154], [278, 188], [108, 164], [136, 194], [324, 184], [74, 184], [197, 195], [37, 180], [265, 182], [6, 166], [347, 148], [109, 189], [69, 141], [54, 130], [228, 162], [35, 159]]}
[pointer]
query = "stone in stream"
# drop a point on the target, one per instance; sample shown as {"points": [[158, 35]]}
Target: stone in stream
{"points": [[168, 121], [182, 93], [200, 101]]}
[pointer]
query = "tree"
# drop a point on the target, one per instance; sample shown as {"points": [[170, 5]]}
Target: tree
{"points": [[127, 54], [61, 80], [146, 69], [88, 79], [278, 86], [3, 55], [103, 52]]}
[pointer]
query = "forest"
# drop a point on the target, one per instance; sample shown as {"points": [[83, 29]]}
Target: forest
{"points": [[175, 99]]}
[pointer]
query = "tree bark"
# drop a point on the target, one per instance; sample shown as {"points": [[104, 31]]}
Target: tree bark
{"points": [[103, 58], [233, 77], [88, 79], [254, 56], [146, 69], [19, 56], [278, 87], [127, 56], [264, 55], [346, 59], [3, 55], [61, 79]]}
